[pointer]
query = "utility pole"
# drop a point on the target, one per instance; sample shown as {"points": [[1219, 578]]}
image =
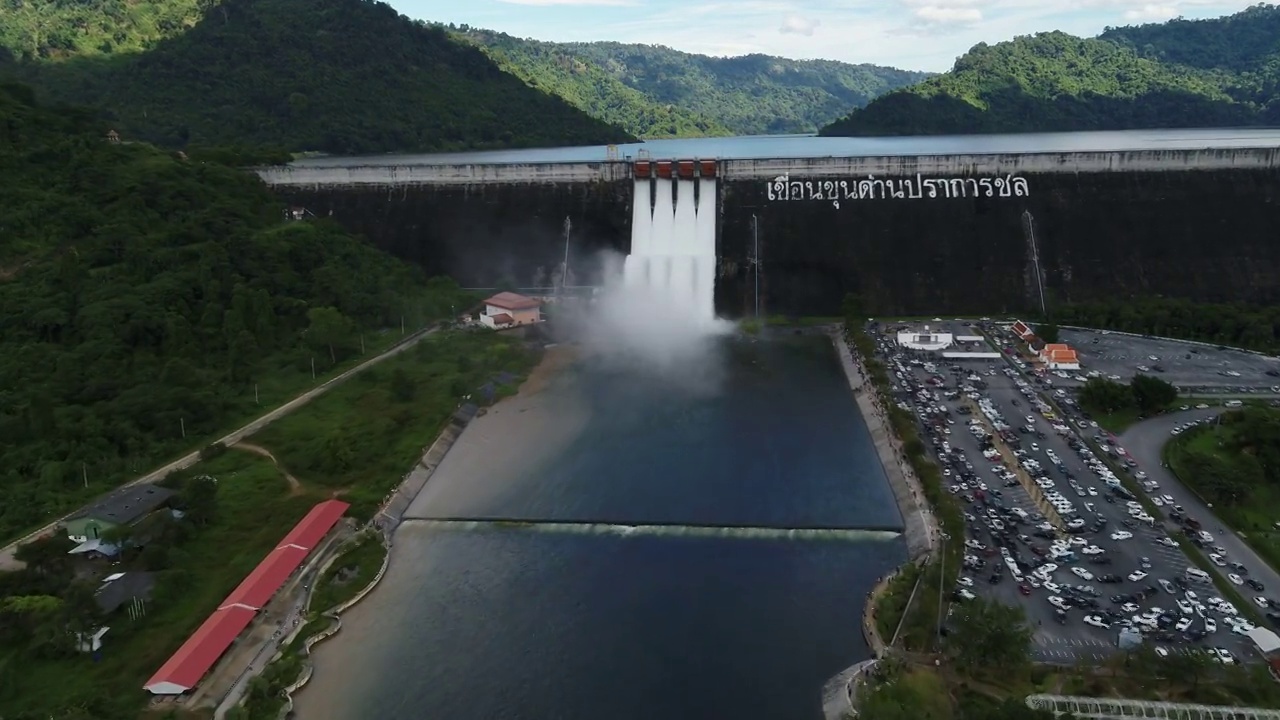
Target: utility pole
{"points": [[84, 472], [182, 423], [755, 231], [361, 343], [942, 583], [256, 401], [564, 266], [402, 324], [313, 367]]}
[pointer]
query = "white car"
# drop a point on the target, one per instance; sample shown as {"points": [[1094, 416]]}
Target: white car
{"points": [[1093, 550], [1168, 542], [1121, 535], [1210, 626], [1261, 601], [1059, 603], [1168, 499], [1136, 576], [965, 594], [1235, 579], [1218, 560], [1183, 624], [1184, 607], [1082, 573], [965, 582], [1129, 607], [1031, 419], [1096, 621]]}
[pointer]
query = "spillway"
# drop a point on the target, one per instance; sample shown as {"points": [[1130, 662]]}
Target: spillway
{"points": [[660, 530], [673, 244]]}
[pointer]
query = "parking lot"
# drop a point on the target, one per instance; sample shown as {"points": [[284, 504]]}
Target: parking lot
{"points": [[1197, 368], [1107, 566]]}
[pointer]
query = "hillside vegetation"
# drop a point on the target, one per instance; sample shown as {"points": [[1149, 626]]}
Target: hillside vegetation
{"points": [[656, 92], [151, 301], [42, 29], [340, 76], [1204, 73]]}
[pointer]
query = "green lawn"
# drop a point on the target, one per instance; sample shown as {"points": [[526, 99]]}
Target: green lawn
{"points": [[359, 439], [255, 510]]}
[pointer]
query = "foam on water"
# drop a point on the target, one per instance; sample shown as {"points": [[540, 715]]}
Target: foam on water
{"points": [[709, 531]]}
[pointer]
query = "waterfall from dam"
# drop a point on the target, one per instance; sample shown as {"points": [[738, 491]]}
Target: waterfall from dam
{"points": [[673, 245]]}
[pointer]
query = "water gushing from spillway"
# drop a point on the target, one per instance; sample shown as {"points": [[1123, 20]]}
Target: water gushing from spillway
{"points": [[673, 247]]}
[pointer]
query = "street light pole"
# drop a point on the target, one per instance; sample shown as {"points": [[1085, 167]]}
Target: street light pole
{"points": [[755, 231], [942, 582]]}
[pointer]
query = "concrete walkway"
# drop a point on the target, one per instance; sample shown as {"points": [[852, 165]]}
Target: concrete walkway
{"points": [[920, 528]]}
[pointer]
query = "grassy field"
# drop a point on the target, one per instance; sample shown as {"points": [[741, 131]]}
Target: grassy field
{"points": [[357, 565], [359, 439], [1254, 520], [255, 509]]}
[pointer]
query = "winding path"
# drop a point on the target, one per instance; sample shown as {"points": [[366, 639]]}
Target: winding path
{"points": [[249, 447]]}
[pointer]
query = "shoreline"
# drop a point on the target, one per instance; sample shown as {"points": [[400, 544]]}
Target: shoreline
{"points": [[920, 527]]}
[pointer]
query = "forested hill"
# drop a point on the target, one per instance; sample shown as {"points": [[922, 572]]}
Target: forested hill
{"points": [[340, 76], [653, 91], [146, 296], [1219, 72]]}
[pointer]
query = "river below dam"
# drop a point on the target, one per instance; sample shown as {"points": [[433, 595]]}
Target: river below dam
{"points": [[656, 538]]}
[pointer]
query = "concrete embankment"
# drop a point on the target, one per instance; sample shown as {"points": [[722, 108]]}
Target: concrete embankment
{"points": [[919, 526]]}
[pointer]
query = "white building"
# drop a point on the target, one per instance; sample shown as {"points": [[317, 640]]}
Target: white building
{"points": [[925, 340]]}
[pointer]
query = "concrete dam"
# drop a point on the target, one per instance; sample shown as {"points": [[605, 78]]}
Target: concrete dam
{"points": [[971, 232]]}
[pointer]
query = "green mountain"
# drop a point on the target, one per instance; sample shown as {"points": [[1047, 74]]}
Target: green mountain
{"points": [[1203, 73], [654, 92], [340, 76], [146, 295]]}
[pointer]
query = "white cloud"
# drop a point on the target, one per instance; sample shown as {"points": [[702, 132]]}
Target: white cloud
{"points": [[795, 24], [580, 3], [948, 15], [1151, 13]]}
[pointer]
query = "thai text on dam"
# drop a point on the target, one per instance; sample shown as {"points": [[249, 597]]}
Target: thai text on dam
{"points": [[784, 187]]}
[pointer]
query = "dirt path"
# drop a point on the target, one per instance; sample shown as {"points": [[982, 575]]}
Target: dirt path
{"points": [[294, 485]]}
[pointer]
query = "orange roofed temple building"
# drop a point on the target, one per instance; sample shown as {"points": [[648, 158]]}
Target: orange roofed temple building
{"points": [[507, 309], [1059, 356]]}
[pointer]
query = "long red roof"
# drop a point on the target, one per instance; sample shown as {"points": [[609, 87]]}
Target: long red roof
{"points": [[257, 589], [185, 667], [183, 670]]}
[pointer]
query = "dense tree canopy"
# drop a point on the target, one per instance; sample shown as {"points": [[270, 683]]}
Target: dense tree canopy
{"points": [[1251, 327], [1210, 73], [654, 91], [343, 76], [144, 295]]}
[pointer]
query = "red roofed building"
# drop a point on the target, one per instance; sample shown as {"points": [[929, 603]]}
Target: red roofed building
{"points": [[205, 647], [199, 653], [1059, 356], [1022, 330], [256, 590], [311, 529], [507, 309]]}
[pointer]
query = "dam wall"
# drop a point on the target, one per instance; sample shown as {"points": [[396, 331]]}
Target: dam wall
{"points": [[912, 234]]}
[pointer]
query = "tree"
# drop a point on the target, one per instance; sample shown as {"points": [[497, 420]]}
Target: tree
{"points": [[200, 499], [1188, 667], [1047, 331], [1151, 394], [47, 555], [328, 328], [987, 634], [1100, 395]]}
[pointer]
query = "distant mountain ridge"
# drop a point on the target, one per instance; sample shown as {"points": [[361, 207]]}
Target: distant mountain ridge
{"points": [[657, 92], [1183, 73], [339, 76]]}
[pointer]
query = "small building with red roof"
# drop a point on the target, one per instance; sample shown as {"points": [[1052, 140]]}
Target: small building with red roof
{"points": [[1059, 356], [508, 309]]}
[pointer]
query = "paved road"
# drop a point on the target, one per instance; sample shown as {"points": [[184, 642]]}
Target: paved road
{"points": [[1144, 442], [265, 653], [7, 561]]}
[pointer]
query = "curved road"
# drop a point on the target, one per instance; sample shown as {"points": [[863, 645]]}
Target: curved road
{"points": [[8, 562], [1144, 442]]}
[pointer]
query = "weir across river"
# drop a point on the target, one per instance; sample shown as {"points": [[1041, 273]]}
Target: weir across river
{"points": [[659, 529]]}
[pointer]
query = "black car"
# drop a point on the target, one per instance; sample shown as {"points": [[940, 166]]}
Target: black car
{"points": [[1255, 584]]}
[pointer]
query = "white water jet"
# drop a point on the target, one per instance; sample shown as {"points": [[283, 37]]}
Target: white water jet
{"points": [[673, 248], [629, 530]]}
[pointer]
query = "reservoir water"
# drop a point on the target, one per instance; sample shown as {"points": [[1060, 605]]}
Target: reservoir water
{"points": [[680, 618]]}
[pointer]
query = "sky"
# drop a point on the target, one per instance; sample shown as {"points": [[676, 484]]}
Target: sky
{"points": [[910, 34]]}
